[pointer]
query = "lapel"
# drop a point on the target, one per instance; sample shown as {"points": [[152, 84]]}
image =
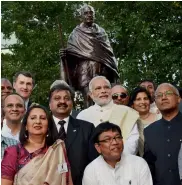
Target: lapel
{"points": [[72, 132], [55, 130], [29, 103]]}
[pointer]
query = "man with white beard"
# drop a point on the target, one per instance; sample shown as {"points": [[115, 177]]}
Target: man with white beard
{"points": [[105, 110]]}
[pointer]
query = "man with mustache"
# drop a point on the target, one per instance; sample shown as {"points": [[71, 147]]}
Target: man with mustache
{"points": [[75, 133], [105, 110], [120, 95], [163, 138]]}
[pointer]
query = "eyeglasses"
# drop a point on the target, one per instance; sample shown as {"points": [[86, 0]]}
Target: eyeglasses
{"points": [[110, 140], [121, 95], [166, 93]]}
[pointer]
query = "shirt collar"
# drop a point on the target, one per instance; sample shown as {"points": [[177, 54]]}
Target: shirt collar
{"points": [[176, 119], [26, 104], [117, 164], [56, 120], [3, 139]]}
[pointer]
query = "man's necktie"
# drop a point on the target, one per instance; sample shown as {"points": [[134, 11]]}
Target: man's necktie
{"points": [[62, 133]]}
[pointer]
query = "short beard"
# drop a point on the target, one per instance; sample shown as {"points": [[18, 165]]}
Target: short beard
{"points": [[100, 102]]}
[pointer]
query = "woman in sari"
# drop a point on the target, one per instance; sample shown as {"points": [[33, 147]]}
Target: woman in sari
{"points": [[37, 159], [140, 100]]}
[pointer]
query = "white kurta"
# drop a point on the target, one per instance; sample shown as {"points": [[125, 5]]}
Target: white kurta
{"points": [[120, 115], [131, 170]]}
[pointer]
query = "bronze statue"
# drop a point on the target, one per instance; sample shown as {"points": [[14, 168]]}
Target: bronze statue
{"points": [[88, 53]]}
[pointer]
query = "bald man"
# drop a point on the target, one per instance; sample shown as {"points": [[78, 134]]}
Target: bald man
{"points": [[163, 138], [14, 109], [120, 95]]}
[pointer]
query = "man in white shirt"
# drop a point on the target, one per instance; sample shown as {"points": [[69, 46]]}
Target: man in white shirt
{"points": [[23, 84], [14, 109], [113, 166], [105, 110]]}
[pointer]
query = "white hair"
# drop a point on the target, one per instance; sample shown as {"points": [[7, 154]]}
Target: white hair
{"points": [[170, 85], [118, 85], [95, 78]]}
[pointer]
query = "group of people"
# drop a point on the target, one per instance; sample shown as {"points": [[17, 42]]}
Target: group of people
{"points": [[122, 138]]}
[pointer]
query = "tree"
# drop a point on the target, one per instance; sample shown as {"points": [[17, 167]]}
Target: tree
{"points": [[146, 39]]}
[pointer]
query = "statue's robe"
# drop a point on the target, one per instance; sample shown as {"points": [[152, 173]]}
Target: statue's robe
{"points": [[89, 54]]}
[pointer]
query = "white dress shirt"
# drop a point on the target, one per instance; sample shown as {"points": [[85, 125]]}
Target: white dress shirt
{"points": [[26, 104], [130, 170], [96, 115], [56, 120], [6, 132]]}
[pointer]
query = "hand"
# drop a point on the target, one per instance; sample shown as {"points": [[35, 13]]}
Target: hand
{"points": [[62, 53]]}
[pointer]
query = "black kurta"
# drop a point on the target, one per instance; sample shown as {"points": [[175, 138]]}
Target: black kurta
{"points": [[162, 144]]}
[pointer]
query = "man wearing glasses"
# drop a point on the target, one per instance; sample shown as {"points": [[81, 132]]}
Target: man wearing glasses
{"points": [[120, 95], [113, 166], [163, 138]]}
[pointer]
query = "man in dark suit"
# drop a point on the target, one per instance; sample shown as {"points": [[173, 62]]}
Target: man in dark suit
{"points": [[76, 133], [163, 138]]}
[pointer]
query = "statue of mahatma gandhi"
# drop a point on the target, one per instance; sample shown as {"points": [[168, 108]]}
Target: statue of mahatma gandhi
{"points": [[88, 54]]}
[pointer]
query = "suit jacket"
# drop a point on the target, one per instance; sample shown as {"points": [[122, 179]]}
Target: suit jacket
{"points": [[74, 113], [162, 144], [180, 106], [80, 150]]}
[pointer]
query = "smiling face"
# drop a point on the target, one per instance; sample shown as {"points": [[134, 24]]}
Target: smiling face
{"points": [[14, 108], [111, 151], [37, 122], [101, 92], [23, 86], [141, 103], [61, 103]]}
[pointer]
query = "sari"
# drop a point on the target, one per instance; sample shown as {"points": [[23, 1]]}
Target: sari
{"points": [[51, 167]]}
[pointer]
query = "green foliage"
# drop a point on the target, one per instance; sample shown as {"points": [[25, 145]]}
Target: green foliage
{"points": [[146, 39]]}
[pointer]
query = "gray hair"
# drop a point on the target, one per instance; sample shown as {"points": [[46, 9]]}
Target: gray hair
{"points": [[118, 85], [5, 80], [81, 10], [170, 85], [95, 78]]}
